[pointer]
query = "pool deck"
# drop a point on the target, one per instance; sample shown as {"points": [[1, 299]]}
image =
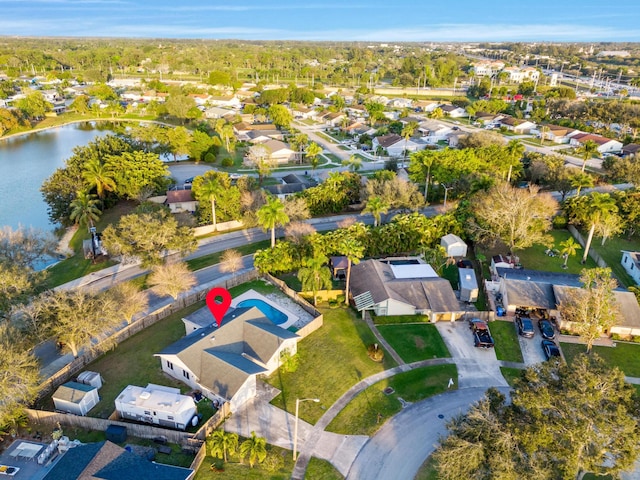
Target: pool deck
{"points": [[253, 295]]}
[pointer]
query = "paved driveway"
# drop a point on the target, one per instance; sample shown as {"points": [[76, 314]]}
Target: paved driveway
{"points": [[531, 349], [477, 367]]}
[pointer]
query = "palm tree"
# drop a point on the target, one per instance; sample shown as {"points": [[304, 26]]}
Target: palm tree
{"points": [[210, 190], [407, 132], [376, 206], [515, 149], [221, 442], [255, 448], [594, 209], [315, 275], [313, 150], [580, 180], [586, 151], [100, 176], [544, 130], [353, 250], [84, 209], [569, 248], [271, 215], [436, 114]]}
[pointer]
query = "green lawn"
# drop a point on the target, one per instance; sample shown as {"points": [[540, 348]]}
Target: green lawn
{"points": [[611, 253], [510, 374], [427, 470], [332, 359], [396, 319], [259, 285], [415, 342], [534, 257], [626, 356], [132, 362], [367, 412], [76, 266], [506, 339]]}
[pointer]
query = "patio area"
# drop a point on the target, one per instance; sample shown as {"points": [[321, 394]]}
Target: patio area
{"points": [[20, 460]]}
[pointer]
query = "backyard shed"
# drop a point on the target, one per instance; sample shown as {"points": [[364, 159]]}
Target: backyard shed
{"points": [[76, 398], [454, 245], [468, 285], [156, 404], [90, 378]]}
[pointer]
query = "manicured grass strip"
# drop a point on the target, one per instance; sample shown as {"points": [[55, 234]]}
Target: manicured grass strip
{"points": [[511, 374], [506, 339], [322, 470], [396, 319], [428, 470], [331, 360], [367, 412], [415, 342], [132, 362], [214, 258], [625, 356]]}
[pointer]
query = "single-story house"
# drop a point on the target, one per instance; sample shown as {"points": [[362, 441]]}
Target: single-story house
{"points": [[400, 103], [454, 137], [631, 263], [485, 118], [218, 112], [156, 404], [558, 133], [605, 145], [386, 141], [425, 105], [181, 201], [630, 149], [454, 245], [517, 125], [390, 289], [453, 111], [262, 136], [76, 398], [434, 131], [395, 145], [230, 101], [300, 111], [280, 151], [334, 119], [291, 184], [108, 461], [223, 362]]}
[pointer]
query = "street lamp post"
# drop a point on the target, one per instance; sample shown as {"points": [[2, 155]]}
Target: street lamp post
{"points": [[295, 428]]}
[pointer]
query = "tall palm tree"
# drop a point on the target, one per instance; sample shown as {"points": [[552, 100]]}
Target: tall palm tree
{"points": [[84, 209], [596, 207], [580, 180], [407, 132], [100, 176], [313, 150], [354, 251], [221, 442], [376, 206], [315, 275], [586, 151], [210, 190], [515, 150], [271, 215], [569, 248], [255, 448], [544, 130]]}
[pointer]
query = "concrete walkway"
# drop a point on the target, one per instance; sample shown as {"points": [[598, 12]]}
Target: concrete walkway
{"points": [[382, 340]]}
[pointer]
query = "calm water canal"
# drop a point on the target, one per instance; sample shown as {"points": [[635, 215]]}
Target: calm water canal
{"points": [[26, 161]]}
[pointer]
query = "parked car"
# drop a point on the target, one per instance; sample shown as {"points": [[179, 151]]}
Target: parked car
{"points": [[481, 335], [188, 181], [550, 349], [546, 329], [525, 327]]}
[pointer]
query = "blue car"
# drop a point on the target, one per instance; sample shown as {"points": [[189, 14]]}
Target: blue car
{"points": [[525, 327]]}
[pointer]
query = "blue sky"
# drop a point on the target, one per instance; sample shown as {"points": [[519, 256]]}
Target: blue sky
{"points": [[366, 20]]}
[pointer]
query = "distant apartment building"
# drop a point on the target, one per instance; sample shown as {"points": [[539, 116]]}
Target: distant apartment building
{"points": [[487, 69]]}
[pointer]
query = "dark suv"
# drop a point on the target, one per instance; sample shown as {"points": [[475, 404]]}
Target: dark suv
{"points": [[525, 327], [546, 329]]}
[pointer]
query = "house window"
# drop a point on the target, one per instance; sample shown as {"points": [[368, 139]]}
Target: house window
{"points": [[169, 364], [185, 374], [624, 260], [147, 412], [632, 265], [169, 417]]}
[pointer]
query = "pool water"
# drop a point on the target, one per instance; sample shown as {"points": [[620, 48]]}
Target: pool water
{"points": [[273, 314]]}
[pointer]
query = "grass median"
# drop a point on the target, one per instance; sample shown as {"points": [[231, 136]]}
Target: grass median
{"points": [[506, 341]]}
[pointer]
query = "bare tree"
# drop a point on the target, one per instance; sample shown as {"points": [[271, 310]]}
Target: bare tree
{"points": [[295, 232], [231, 261], [129, 299], [592, 310], [171, 279]]}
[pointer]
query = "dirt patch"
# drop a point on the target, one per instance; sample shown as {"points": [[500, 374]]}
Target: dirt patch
{"points": [[419, 341]]}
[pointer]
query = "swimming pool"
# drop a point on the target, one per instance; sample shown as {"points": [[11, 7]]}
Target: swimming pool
{"points": [[272, 313]]}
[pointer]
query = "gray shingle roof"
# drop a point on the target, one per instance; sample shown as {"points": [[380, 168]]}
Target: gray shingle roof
{"points": [[72, 392]]}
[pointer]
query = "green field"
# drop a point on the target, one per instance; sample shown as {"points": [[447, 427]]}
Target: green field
{"points": [[625, 356], [506, 339]]}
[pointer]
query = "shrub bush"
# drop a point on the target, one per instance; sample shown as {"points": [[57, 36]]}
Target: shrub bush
{"points": [[227, 162], [210, 158], [559, 222]]}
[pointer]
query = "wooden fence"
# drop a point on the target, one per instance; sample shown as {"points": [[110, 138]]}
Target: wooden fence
{"points": [[198, 294], [293, 294], [592, 253]]}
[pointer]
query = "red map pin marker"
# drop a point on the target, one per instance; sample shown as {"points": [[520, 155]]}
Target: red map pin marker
{"points": [[218, 308]]}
